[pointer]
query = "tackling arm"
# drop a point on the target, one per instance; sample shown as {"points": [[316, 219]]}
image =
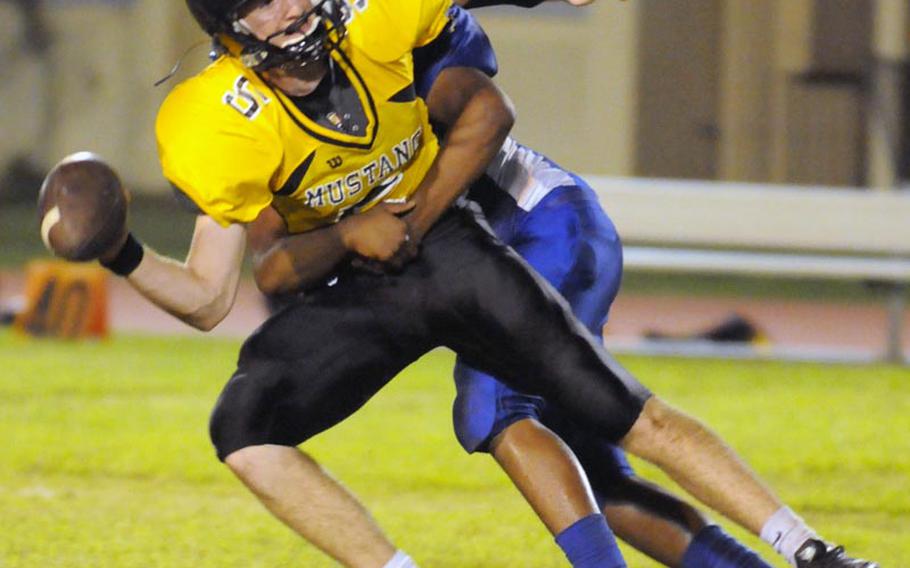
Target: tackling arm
{"points": [[286, 263], [201, 290], [479, 117]]}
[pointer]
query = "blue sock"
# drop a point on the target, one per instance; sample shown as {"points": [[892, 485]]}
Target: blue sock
{"points": [[589, 543], [713, 548]]}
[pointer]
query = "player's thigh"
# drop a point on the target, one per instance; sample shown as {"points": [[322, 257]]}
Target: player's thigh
{"points": [[570, 242], [305, 370], [508, 321]]}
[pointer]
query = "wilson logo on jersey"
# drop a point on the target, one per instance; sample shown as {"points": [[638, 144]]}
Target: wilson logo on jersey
{"points": [[368, 177]]}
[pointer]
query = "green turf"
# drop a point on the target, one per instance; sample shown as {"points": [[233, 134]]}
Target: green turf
{"points": [[106, 461]]}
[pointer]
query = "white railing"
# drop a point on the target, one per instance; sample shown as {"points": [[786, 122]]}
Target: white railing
{"points": [[766, 230]]}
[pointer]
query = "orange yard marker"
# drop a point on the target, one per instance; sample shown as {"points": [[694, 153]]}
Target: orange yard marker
{"points": [[64, 300]]}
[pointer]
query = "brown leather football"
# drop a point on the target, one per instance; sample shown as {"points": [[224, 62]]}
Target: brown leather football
{"points": [[82, 208]]}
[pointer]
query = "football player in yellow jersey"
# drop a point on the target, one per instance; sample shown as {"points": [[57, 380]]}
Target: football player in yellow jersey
{"points": [[306, 136], [367, 140]]}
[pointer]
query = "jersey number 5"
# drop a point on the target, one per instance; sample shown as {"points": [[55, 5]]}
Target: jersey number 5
{"points": [[244, 99]]}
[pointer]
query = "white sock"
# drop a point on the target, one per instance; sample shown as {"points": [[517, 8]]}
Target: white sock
{"points": [[785, 531], [400, 560]]}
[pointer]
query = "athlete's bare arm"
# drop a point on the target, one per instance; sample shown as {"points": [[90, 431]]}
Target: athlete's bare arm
{"points": [[286, 263], [479, 116], [201, 290]]}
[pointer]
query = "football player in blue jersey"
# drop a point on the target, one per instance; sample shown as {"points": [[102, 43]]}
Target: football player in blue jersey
{"points": [[553, 219]]}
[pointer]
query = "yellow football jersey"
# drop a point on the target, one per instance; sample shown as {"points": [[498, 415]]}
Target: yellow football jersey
{"points": [[235, 146]]}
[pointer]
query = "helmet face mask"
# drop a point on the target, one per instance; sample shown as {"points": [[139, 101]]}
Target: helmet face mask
{"points": [[326, 20]]}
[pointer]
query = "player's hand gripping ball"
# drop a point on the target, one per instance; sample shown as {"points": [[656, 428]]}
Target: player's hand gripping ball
{"points": [[82, 208]]}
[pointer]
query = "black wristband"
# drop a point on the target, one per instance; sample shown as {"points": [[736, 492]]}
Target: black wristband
{"points": [[127, 259]]}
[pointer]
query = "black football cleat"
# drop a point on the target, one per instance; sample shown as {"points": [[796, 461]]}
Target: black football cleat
{"points": [[817, 554]]}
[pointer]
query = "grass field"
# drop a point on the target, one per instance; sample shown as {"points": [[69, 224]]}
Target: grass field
{"points": [[106, 460]]}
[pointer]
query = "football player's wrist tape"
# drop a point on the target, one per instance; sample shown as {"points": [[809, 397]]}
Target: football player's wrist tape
{"points": [[128, 258]]}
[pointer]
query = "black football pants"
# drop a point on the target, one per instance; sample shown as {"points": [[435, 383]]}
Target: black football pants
{"points": [[316, 362]]}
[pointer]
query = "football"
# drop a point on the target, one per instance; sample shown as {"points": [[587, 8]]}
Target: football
{"points": [[82, 208]]}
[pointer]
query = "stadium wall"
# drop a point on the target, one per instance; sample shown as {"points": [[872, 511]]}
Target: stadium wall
{"points": [[724, 89], [572, 79], [22, 100]]}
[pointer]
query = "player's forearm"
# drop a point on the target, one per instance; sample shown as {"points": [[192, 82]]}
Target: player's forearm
{"points": [[480, 117], [201, 290], [177, 289], [298, 262], [287, 263]]}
